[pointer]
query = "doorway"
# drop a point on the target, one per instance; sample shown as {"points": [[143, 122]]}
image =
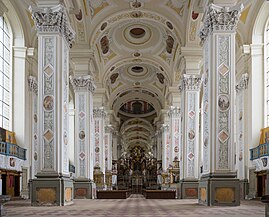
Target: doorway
{"points": [[4, 184], [261, 184]]}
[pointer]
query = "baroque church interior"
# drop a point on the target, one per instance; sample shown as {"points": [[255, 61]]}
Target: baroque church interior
{"points": [[166, 99]]}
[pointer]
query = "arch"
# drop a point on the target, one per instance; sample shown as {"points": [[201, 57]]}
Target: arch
{"points": [[256, 76], [138, 119], [125, 88], [16, 25], [117, 105], [148, 129], [260, 24]]}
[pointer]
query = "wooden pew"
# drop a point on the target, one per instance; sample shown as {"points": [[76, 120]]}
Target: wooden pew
{"points": [[159, 194], [113, 194]]}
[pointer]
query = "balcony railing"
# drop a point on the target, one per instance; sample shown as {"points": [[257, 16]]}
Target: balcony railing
{"points": [[260, 151], [14, 150]]}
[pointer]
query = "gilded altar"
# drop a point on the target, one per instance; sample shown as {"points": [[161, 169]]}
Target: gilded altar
{"points": [[98, 177]]}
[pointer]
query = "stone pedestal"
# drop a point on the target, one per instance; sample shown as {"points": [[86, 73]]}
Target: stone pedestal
{"points": [[252, 187], [84, 189], [219, 190], [51, 191], [175, 187], [25, 186], [188, 189]]}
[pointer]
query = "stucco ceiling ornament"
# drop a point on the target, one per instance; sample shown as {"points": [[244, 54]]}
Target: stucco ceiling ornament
{"points": [[136, 4], [220, 18], [54, 20], [96, 3], [178, 3]]}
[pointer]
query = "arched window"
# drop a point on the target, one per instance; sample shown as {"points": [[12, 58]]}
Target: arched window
{"points": [[5, 75]]}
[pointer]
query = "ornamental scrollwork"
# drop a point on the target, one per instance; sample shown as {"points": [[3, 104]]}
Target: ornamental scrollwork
{"points": [[99, 112], [243, 83], [109, 128], [192, 82], [83, 83], [54, 20], [32, 84], [181, 85], [174, 111], [165, 127], [220, 18]]}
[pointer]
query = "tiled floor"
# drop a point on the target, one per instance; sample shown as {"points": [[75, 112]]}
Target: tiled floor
{"points": [[135, 206]]}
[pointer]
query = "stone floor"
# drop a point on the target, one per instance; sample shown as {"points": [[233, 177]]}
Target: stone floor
{"points": [[136, 205]]}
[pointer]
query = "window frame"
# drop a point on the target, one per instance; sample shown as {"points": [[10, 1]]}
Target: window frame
{"points": [[6, 32]]}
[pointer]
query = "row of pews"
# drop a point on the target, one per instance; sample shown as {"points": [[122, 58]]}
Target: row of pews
{"points": [[124, 194]]}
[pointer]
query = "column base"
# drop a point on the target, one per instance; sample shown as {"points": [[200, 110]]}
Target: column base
{"points": [[243, 189], [25, 194], [175, 187], [84, 189], [219, 190], [188, 189], [51, 191], [252, 186]]}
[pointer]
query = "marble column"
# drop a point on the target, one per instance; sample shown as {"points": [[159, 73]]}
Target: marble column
{"points": [[175, 131], [218, 184], [99, 149], [241, 151], [165, 154], [53, 185], [190, 136], [34, 160], [159, 145], [84, 127], [108, 156], [115, 146]]}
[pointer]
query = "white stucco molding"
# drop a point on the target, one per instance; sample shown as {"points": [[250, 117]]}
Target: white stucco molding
{"points": [[53, 20]]}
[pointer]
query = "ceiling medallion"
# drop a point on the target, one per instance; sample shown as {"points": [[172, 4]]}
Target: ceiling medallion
{"points": [[137, 32], [137, 69]]}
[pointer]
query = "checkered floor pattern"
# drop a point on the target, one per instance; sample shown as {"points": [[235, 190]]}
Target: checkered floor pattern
{"points": [[136, 205]]}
